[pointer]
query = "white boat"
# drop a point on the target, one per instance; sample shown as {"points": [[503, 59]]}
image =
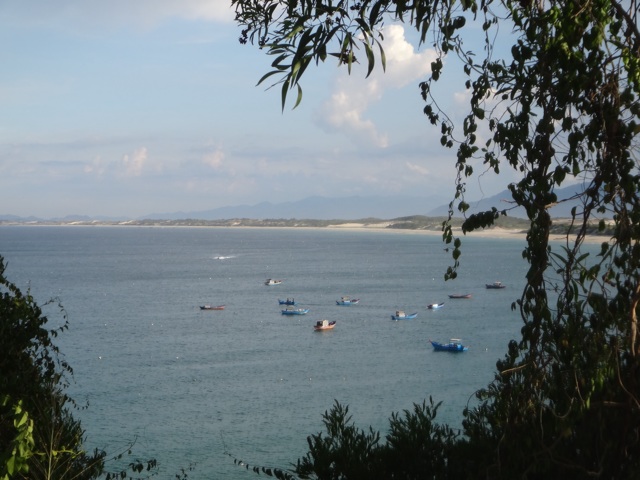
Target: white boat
{"points": [[401, 315], [324, 325], [346, 301], [272, 281]]}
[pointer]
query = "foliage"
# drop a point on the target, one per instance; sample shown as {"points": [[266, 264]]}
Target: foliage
{"points": [[14, 461], [39, 438], [415, 448], [345, 451], [560, 105]]}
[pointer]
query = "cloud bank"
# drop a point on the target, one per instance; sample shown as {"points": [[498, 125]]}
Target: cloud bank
{"points": [[114, 13], [346, 110]]}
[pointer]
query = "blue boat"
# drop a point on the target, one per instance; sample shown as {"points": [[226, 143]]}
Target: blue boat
{"points": [[295, 311], [346, 301], [288, 301], [454, 345], [400, 315]]}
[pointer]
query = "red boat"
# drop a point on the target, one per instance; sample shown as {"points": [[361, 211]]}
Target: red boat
{"points": [[212, 307]]}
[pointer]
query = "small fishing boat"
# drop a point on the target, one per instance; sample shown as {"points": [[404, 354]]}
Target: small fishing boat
{"points": [[324, 325], [434, 306], [460, 295], [401, 315], [346, 301], [272, 281], [295, 311], [288, 301], [212, 307], [454, 345], [495, 285]]}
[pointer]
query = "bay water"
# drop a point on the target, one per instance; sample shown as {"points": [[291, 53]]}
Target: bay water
{"points": [[188, 386]]}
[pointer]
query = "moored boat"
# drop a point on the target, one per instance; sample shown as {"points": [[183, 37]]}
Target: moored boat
{"points": [[288, 301], [434, 306], [495, 285], [346, 301], [212, 307], [272, 281], [295, 311], [324, 325], [454, 345], [460, 295], [401, 315]]}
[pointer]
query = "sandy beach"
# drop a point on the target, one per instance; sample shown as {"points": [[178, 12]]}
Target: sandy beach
{"points": [[495, 232]]}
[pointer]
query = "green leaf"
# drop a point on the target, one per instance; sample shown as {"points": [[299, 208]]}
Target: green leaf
{"points": [[285, 90], [299, 98], [383, 57], [23, 419], [370, 58]]}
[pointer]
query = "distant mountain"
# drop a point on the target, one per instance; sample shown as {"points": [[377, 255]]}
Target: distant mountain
{"points": [[501, 201], [318, 208], [15, 218], [504, 201], [344, 208]]}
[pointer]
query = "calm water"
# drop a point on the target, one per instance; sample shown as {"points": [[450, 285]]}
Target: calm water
{"points": [[190, 384]]}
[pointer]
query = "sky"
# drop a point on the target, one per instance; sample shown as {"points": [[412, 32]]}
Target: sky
{"points": [[125, 108]]}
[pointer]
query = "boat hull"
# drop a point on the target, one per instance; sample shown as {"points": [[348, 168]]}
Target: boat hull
{"points": [[210, 307], [411, 316], [453, 347], [300, 311], [322, 326], [345, 303]]}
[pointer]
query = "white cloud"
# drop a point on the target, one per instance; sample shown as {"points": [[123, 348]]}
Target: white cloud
{"points": [[404, 64], [133, 165], [214, 159], [346, 109], [97, 166], [417, 169]]}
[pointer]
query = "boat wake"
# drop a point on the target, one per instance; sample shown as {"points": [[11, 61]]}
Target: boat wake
{"points": [[221, 257]]}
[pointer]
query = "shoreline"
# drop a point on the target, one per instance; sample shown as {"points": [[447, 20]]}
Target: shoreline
{"points": [[494, 232]]}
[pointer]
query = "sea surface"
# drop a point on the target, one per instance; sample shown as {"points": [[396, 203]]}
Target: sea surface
{"points": [[188, 386]]}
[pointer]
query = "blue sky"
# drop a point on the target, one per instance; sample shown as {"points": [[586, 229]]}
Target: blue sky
{"points": [[131, 107]]}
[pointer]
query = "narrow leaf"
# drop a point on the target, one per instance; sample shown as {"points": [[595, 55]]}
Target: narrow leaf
{"points": [[285, 89], [299, 99], [370, 58], [267, 75]]}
